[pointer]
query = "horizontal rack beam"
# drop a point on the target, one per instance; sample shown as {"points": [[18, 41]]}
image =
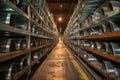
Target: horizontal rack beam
{"points": [[103, 54], [7, 56], [100, 36], [19, 74]]}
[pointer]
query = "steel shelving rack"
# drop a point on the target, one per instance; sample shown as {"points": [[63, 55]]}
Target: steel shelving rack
{"points": [[93, 34], [29, 22]]}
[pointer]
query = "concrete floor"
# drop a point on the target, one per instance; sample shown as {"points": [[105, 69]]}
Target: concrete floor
{"points": [[59, 66]]}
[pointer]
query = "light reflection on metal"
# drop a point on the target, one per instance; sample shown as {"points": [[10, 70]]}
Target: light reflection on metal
{"points": [[9, 9], [11, 72], [108, 66]]}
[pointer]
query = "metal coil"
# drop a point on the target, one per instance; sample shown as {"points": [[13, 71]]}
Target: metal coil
{"points": [[117, 72], [41, 42], [97, 16], [35, 55], [104, 12], [97, 45], [92, 45], [85, 43], [33, 42], [91, 57], [103, 29], [20, 44], [114, 49], [86, 24], [81, 34], [83, 53], [108, 67], [114, 26], [38, 31], [33, 29], [93, 18], [22, 5], [104, 47], [7, 18], [21, 63], [85, 33], [113, 5], [21, 23], [11, 72], [37, 42], [90, 20], [94, 31], [7, 45]]}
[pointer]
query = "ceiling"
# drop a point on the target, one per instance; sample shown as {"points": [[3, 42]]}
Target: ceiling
{"points": [[62, 9]]}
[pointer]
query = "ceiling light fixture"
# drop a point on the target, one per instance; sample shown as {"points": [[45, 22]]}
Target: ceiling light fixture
{"points": [[60, 19], [61, 6]]}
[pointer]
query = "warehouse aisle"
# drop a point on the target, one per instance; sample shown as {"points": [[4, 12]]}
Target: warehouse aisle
{"points": [[60, 65]]}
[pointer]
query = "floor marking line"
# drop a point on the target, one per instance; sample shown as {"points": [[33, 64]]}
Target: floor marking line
{"points": [[77, 67]]}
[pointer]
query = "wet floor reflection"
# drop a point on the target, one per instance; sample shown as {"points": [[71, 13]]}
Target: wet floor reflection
{"points": [[57, 66]]}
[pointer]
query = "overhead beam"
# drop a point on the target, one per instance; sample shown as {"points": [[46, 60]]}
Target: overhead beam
{"points": [[62, 11], [62, 1], [64, 5]]}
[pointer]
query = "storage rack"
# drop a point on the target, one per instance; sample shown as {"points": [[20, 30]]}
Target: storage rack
{"points": [[27, 34], [93, 33]]}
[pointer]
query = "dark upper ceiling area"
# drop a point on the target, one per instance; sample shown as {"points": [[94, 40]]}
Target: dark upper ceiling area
{"points": [[62, 9]]}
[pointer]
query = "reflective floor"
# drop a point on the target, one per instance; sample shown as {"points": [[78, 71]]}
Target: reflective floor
{"points": [[60, 65]]}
